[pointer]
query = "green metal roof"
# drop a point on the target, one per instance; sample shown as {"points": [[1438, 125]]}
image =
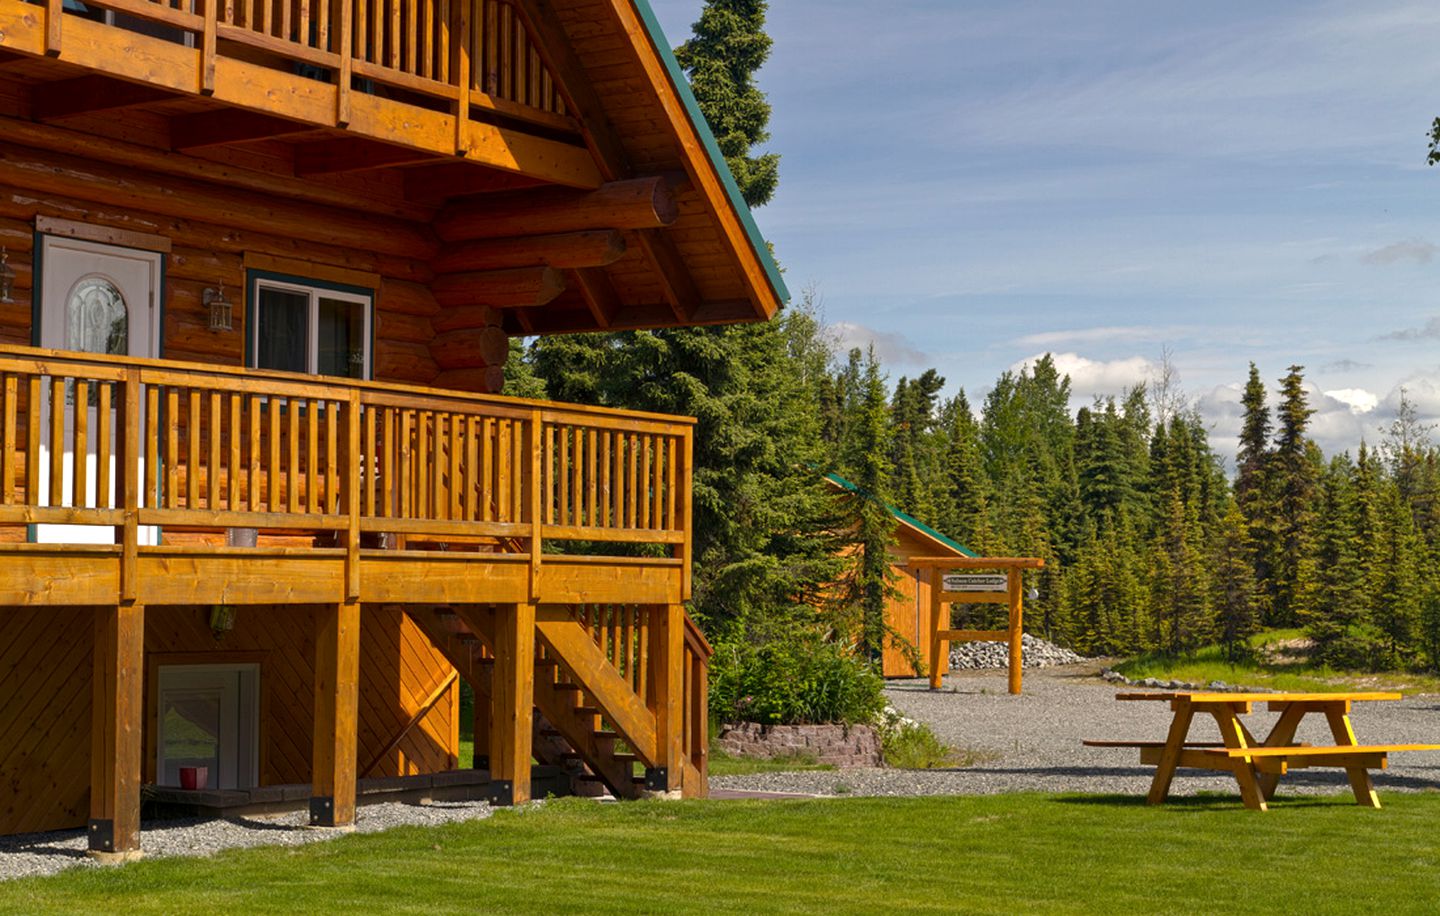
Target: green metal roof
{"points": [[712, 149], [910, 520]]}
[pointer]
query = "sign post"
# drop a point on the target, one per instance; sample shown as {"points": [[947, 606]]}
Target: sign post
{"points": [[947, 588]]}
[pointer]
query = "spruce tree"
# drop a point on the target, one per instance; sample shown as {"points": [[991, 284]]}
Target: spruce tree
{"points": [[1233, 584], [728, 47], [1292, 488], [1254, 447], [867, 461]]}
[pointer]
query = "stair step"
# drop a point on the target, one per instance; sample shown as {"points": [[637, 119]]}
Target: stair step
{"points": [[625, 758], [568, 686], [587, 711]]}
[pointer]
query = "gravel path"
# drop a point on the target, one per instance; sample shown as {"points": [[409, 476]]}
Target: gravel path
{"points": [[47, 853], [1034, 742]]}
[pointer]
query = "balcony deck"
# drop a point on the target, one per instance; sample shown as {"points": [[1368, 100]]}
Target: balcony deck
{"points": [[426, 78], [355, 491]]}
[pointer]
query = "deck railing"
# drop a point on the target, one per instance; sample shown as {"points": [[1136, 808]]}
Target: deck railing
{"points": [[108, 441], [437, 48]]}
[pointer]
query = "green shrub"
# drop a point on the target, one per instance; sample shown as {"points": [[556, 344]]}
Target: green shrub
{"points": [[797, 682], [910, 745]]}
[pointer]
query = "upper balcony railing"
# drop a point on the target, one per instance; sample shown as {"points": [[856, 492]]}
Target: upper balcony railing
{"points": [[463, 72], [101, 441]]}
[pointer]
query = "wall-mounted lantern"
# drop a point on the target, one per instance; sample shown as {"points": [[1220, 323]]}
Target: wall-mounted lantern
{"points": [[220, 309]]}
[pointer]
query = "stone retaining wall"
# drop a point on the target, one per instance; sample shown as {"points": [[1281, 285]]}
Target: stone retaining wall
{"points": [[838, 745]]}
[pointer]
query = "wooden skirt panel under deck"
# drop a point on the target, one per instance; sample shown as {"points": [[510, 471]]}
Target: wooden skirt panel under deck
{"points": [[46, 681]]}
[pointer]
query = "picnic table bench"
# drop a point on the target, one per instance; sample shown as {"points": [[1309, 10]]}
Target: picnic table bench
{"points": [[1258, 765]]}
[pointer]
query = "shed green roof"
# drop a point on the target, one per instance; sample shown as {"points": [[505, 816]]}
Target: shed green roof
{"points": [[910, 520]]}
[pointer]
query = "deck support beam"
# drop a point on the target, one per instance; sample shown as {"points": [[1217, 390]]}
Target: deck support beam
{"points": [[512, 695], [667, 680], [337, 698], [116, 715]]}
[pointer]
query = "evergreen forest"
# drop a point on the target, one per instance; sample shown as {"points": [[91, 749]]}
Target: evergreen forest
{"points": [[1151, 540]]}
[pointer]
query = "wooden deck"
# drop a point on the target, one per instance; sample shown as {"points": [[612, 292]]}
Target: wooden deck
{"points": [[406, 73], [473, 495], [544, 549]]}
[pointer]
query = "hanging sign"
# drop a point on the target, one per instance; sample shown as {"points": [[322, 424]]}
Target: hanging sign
{"points": [[969, 582]]}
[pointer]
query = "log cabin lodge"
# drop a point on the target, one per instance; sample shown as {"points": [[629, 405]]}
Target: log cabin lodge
{"points": [[261, 507]]}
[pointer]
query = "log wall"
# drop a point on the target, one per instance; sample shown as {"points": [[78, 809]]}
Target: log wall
{"points": [[213, 229], [45, 664]]}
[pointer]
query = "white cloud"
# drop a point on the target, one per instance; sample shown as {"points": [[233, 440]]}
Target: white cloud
{"points": [[1121, 334], [1429, 331], [890, 348], [1358, 399], [1092, 377], [1415, 250]]}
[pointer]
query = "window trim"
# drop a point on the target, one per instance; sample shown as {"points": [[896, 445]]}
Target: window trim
{"points": [[256, 279]]}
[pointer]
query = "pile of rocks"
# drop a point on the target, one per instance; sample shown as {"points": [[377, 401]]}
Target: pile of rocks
{"points": [[1155, 683], [1034, 651]]}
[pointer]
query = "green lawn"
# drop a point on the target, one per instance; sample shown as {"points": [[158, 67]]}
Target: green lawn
{"points": [[1208, 664], [1001, 854]]}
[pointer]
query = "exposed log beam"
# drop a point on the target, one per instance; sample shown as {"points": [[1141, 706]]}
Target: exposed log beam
{"points": [[85, 95], [329, 157], [438, 183], [132, 155], [519, 288], [226, 126], [567, 250], [641, 203], [465, 316], [67, 175], [470, 348], [675, 278], [599, 293]]}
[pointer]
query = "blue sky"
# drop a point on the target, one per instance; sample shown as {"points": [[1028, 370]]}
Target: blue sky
{"points": [[968, 185]]}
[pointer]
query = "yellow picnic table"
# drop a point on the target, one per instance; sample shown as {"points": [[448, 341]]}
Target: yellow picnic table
{"points": [[1258, 765]]}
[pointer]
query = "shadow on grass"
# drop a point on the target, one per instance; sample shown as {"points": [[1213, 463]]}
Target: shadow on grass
{"points": [[1203, 801]]}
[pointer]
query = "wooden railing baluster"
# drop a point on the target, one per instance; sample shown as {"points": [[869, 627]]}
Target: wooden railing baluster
{"points": [[32, 441], [150, 496], [57, 440], [10, 456], [103, 453], [232, 467], [212, 459], [80, 445]]}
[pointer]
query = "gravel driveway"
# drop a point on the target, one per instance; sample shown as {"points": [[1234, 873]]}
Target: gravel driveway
{"points": [[47, 853], [1035, 741]]}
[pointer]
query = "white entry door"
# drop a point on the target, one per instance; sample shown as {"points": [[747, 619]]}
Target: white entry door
{"points": [[208, 716], [94, 298]]}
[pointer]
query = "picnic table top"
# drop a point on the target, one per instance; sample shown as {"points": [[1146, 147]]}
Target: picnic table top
{"points": [[1203, 696]]}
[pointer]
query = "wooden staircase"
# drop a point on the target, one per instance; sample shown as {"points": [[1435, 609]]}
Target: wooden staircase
{"points": [[619, 691]]}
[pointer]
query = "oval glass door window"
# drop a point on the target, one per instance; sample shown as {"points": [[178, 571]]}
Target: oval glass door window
{"points": [[96, 318]]}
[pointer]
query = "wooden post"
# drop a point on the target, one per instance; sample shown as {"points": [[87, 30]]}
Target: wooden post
{"points": [[1016, 592], [512, 694], [337, 699], [938, 647], [116, 716], [667, 701]]}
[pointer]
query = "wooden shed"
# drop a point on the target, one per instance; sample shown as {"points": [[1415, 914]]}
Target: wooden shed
{"points": [[261, 507], [908, 612]]}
